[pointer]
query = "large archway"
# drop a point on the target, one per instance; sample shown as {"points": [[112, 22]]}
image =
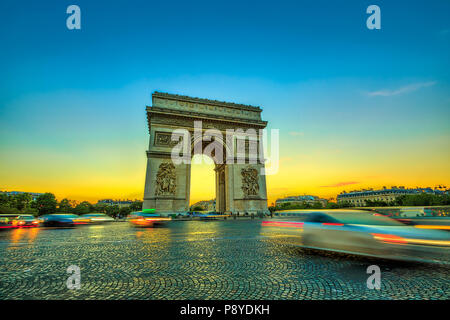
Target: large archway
{"points": [[203, 183], [239, 185]]}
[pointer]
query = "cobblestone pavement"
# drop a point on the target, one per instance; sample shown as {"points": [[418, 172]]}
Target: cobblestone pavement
{"points": [[196, 260]]}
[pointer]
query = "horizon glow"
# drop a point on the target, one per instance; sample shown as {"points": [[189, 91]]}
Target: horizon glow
{"points": [[356, 108]]}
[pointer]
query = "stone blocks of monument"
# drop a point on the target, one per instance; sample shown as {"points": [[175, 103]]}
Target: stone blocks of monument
{"points": [[239, 186]]}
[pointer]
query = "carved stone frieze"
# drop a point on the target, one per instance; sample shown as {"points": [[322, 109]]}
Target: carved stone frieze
{"points": [[250, 183], [166, 179], [164, 139]]}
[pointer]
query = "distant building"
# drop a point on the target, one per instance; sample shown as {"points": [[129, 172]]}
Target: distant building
{"points": [[300, 200], [209, 205], [359, 197], [34, 195], [111, 202]]}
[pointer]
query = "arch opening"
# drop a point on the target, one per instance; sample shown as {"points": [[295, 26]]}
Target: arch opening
{"points": [[203, 182]]}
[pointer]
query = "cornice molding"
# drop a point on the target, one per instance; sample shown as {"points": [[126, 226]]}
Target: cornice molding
{"points": [[202, 116], [177, 97]]}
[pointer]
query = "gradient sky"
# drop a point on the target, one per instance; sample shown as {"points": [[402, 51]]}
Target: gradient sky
{"points": [[355, 107]]}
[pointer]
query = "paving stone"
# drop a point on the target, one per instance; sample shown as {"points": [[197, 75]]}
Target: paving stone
{"points": [[180, 261]]}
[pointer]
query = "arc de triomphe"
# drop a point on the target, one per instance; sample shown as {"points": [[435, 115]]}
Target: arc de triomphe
{"points": [[240, 186]]}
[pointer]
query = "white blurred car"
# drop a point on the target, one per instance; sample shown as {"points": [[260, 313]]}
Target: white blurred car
{"points": [[362, 232], [97, 217]]}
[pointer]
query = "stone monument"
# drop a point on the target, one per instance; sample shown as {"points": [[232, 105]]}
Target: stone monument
{"points": [[240, 186]]}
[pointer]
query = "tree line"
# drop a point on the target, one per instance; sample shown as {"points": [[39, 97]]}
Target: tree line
{"points": [[307, 205], [422, 199], [46, 203]]}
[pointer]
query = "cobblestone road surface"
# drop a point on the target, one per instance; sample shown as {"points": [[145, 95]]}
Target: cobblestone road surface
{"points": [[196, 260]]}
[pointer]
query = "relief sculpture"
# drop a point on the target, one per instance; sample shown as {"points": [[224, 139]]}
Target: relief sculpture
{"points": [[163, 139], [165, 179], [250, 184]]}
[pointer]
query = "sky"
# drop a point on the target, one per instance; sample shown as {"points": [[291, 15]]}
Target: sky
{"points": [[356, 108]]}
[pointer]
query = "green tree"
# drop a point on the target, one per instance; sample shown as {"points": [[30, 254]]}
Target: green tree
{"points": [[376, 203], [4, 199], [332, 205], [125, 211], [32, 211], [65, 206], [99, 207], [8, 210], [21, 201], [345, 204], [113, 210], [422, 199], [136, 205], [317, 205], [46, 203], [82, 208]]}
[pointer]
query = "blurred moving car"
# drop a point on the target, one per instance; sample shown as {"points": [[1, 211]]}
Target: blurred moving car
{"points": [[419, 217], [6, 221], [208, 215], [184, 214], [97, 217], [9, 221], [203, 215], [25, 221], [143, 219], [62, 220], [435, 223], [362, 232]]}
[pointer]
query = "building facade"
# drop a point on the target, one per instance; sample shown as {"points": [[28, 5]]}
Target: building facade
{"points": [[360, 197], [34, 195], [209, 205]]}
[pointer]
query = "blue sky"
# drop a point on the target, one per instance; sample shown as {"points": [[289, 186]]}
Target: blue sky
{"points": [[319, 74]]}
